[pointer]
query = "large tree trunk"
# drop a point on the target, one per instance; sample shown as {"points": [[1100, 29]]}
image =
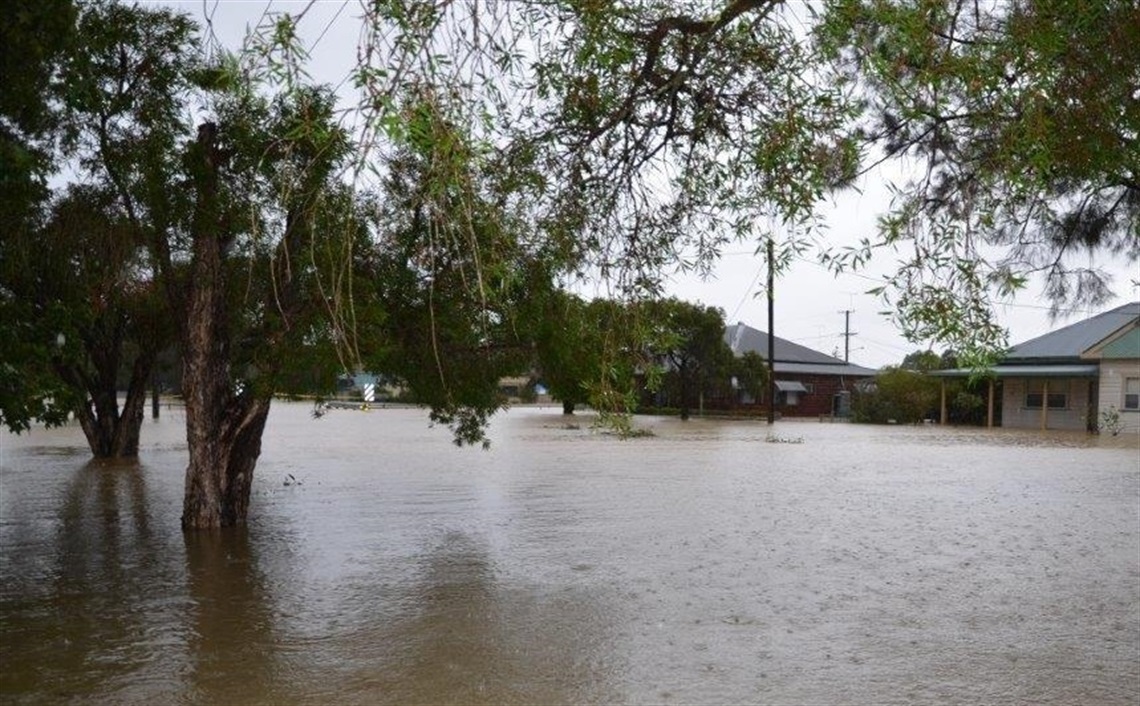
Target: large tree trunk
{"points": [[224, 449], [223, 424]]}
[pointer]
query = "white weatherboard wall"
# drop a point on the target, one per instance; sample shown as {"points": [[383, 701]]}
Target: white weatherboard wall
{"points": [[1015, 415], [1111, 395]]}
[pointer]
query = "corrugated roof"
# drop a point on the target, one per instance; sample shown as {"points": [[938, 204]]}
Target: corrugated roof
{"points": [[1025, 371], [1072, 340], [789, 357], [841, 368]]}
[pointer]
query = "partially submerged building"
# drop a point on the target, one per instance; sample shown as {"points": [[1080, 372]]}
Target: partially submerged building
{"points": [[808, 383], [1076, 377]]}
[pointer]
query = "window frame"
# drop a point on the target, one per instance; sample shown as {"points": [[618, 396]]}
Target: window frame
{"points": [[1035, 393], [1125, 394]]}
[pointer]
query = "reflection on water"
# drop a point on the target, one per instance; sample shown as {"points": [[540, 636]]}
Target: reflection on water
{"points": [[89, 591], [699, 565], [465, 636], [230, 640]]}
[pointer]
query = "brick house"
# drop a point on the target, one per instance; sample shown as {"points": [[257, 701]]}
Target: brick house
{"points": [[808, 383]]}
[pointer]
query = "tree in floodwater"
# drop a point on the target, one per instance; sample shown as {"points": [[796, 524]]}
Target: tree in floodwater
{"points": [[247, 241], [688, 340], [1022, 120], [218, 238], [269, 224], [291, 271], [457, 277], [77, 289], [79, 293], [569, 346]]}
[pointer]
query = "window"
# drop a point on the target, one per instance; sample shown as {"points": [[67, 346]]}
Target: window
{"points": [[789, 392], [1035, 392], [1132, 393]]}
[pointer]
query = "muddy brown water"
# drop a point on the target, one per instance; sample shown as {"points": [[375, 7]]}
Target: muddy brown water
{"points": [[863, 565]]}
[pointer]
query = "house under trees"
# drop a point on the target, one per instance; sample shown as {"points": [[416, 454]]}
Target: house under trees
{"points": [[808, 383]]}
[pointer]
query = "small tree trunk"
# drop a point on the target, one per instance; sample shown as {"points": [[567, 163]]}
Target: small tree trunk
{"points": [[112, 432], [684, 394], [567, 407], [154, 396]]}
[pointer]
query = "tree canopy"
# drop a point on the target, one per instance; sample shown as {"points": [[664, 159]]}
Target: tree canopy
{"points": [[1020, 123], [76, 283], [688, 340], [569, 345]]}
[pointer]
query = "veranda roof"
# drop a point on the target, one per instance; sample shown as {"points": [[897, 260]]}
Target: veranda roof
{"points": [[1024, 371]]}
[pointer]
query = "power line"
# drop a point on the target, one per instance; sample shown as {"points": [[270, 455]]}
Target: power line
{"points": [[747, 293], [886, 345], [321, 36]]}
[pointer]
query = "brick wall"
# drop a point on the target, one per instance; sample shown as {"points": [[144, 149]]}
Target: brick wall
{"points": [[819, 399]]}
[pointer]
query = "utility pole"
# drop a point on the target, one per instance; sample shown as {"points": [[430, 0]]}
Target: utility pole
{"points": [[771, 332], [847, 334]]}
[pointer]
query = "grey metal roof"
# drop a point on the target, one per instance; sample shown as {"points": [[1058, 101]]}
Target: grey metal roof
{"points": [[1025, 371], [1072, 340], [841, 368], [789, 357]]}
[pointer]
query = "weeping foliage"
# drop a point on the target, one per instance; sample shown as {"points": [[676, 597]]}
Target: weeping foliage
{"points": [[456, 275], [621, 141]]}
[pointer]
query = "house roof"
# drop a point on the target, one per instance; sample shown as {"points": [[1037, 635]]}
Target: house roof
{"points": [[1072, 340], [789, 357]]}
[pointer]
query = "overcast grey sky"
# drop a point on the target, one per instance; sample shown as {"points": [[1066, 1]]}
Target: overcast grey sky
{"points": [[809, 300]]}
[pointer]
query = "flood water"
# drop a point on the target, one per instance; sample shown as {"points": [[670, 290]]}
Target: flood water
{"points": [[862, 565]]}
